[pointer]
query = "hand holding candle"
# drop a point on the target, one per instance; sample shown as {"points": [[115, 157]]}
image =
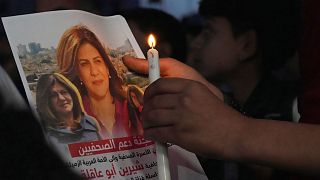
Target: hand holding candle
{"points": [[154, 74]]}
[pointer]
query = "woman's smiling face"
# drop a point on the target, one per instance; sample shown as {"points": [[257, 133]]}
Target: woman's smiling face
{"points": [[61, 100]]}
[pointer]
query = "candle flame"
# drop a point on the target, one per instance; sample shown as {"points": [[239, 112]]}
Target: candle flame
{"points": [[152, 41]]}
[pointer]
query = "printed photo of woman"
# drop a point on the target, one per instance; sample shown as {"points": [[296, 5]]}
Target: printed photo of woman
{"points": [[61, 112], [83, 59]]}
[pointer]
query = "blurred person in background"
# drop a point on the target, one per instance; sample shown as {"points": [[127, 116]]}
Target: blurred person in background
{"points": [[192, 25], [240, 48]]}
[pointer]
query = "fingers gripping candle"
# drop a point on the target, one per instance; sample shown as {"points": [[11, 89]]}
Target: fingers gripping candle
{"points": [[154, 74]]}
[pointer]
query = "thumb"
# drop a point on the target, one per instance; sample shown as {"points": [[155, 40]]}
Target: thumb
{"points": [[136, 64]]}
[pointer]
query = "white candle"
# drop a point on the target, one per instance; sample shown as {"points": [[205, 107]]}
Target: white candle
{"points": [[153, 58], [154, 74]]}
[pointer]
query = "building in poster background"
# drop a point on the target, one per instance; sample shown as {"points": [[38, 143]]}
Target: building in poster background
{"points": [[65, 77]]}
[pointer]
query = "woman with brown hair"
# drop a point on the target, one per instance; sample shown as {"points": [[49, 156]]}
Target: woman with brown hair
{"points": [[82, 58], [61, 112]]}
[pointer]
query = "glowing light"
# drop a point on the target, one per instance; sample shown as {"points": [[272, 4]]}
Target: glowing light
{"points": [[152, 41]]}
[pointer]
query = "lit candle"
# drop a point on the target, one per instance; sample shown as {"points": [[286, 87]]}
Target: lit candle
{"points": [[154, 74], [153, 58]]}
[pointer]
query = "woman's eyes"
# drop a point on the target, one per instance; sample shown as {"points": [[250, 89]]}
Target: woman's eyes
{"points": [[64, 92], [84, 63], [98, 60], [53, 95], [56, 94], [87, 63]]}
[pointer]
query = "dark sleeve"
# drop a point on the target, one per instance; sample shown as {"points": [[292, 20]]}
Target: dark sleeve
{"points": [[24, 152], [309, 103]]}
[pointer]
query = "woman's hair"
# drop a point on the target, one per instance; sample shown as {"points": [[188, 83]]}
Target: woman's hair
{"points": [[67, 52], [43, 99]]}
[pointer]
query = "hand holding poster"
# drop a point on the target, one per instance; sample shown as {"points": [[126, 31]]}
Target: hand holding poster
{"points": [[89, 104]]}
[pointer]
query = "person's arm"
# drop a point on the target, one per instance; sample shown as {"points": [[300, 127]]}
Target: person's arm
{"points": [[285, 145], [185, 112]]}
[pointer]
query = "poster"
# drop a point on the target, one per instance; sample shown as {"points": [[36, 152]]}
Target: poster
{"points": [[87, 101]]}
